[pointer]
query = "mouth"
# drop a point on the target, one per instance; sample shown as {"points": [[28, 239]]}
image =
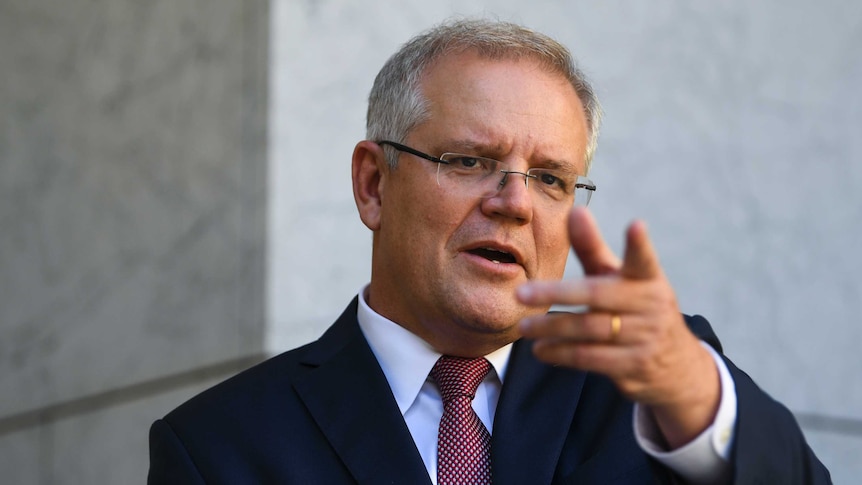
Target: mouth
{"points": [[497, 256]]}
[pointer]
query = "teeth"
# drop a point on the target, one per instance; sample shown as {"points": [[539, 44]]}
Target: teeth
{"points": [[495, 261]]}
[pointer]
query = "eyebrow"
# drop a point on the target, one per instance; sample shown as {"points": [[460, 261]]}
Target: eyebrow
{"points": [[471, 147], [562, 166]]}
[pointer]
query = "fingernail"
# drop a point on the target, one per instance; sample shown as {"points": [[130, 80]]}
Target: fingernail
{"points": [[524, 292]]}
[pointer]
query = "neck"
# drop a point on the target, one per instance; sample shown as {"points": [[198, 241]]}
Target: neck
{"points": [[455, 338]]}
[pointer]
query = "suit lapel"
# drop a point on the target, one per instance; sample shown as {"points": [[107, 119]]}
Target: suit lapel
{"points": [[533, 418], [347, 394]]}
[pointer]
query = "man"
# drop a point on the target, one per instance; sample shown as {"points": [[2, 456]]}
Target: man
{"points": [[480, 135]]}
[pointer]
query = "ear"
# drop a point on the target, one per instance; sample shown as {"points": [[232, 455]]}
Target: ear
{"points": [[370, 172]]}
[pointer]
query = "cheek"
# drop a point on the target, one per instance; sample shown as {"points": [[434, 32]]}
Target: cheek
{"points": [[444, 216], [423, 226]]}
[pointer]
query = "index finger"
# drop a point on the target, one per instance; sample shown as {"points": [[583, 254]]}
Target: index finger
{"points": [[590, 248], [640, 260], [599, 293]]}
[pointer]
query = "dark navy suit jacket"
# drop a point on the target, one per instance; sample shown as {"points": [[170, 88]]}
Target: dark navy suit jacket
{"points": [[324, 414]]}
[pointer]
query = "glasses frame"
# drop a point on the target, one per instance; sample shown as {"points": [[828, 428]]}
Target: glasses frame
{"points": [[582, 183]]}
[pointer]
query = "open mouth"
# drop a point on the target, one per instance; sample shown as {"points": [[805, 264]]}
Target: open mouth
{"points": [[493, 255]]}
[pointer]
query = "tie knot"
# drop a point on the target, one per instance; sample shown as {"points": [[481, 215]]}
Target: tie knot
{"points": [[458, 377]]}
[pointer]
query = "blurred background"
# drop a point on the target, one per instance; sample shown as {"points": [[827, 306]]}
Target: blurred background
{"points": [[175, 196]]}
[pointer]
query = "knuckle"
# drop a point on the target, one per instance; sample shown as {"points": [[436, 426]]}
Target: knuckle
{"points": [[630, 387], [593, 291]]}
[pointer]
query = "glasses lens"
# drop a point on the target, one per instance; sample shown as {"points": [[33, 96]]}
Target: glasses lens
{"points": [[473, 176], [554, 184], [484, 177], [584, 189]]}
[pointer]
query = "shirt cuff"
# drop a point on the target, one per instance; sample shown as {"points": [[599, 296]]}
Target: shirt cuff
{"points": [[705, 460]]}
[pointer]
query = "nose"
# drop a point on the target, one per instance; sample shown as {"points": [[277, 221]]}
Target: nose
{"points": [[506, 177], [512, 199]]}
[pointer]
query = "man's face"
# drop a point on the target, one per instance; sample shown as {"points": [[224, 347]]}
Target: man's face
{"points": [[431, 269]]}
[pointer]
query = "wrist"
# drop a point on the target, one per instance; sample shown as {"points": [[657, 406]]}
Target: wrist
{"points": [[693, 410]]}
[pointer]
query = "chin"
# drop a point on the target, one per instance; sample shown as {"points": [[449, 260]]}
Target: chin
{"points": [[491, 313]]}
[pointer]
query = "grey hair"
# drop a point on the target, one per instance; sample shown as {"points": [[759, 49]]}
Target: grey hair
{"points": [[396, 104]]}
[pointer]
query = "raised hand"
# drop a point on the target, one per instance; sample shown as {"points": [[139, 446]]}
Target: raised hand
{"points": [[632, 330]]}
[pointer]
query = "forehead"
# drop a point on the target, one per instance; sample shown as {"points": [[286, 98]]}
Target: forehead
{"points": [[512, 104]]}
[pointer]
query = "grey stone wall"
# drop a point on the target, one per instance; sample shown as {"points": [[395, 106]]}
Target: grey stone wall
{"points": [[132, 207]]}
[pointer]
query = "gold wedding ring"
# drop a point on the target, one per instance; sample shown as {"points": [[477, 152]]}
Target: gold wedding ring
{"points": [[616, 326]]}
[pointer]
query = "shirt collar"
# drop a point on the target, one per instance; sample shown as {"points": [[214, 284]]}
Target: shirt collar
{"points": [[406, 359]]}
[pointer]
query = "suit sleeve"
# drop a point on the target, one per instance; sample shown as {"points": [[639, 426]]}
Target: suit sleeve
{"points": [[769, 446], [169, 461]]}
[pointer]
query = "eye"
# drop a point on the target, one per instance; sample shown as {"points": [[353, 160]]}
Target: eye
{"points": [[466, 164], [462, 161], [554, 182], [549, 179]]}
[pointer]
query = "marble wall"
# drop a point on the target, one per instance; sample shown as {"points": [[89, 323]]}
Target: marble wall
{"points": [[132, 207], [175, 195]]}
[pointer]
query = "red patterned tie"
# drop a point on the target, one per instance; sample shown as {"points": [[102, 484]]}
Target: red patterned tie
{"points": [[463, 442]]}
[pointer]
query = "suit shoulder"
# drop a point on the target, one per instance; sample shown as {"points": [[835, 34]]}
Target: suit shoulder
{"points": [[270, 378], [269, 384]]}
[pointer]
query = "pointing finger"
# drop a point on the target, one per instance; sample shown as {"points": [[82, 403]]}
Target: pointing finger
{"points": [[594, 254], [609, 293], [641, 260]]}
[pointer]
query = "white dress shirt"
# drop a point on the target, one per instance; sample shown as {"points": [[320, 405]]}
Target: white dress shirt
{"points": [[406, 361]]}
